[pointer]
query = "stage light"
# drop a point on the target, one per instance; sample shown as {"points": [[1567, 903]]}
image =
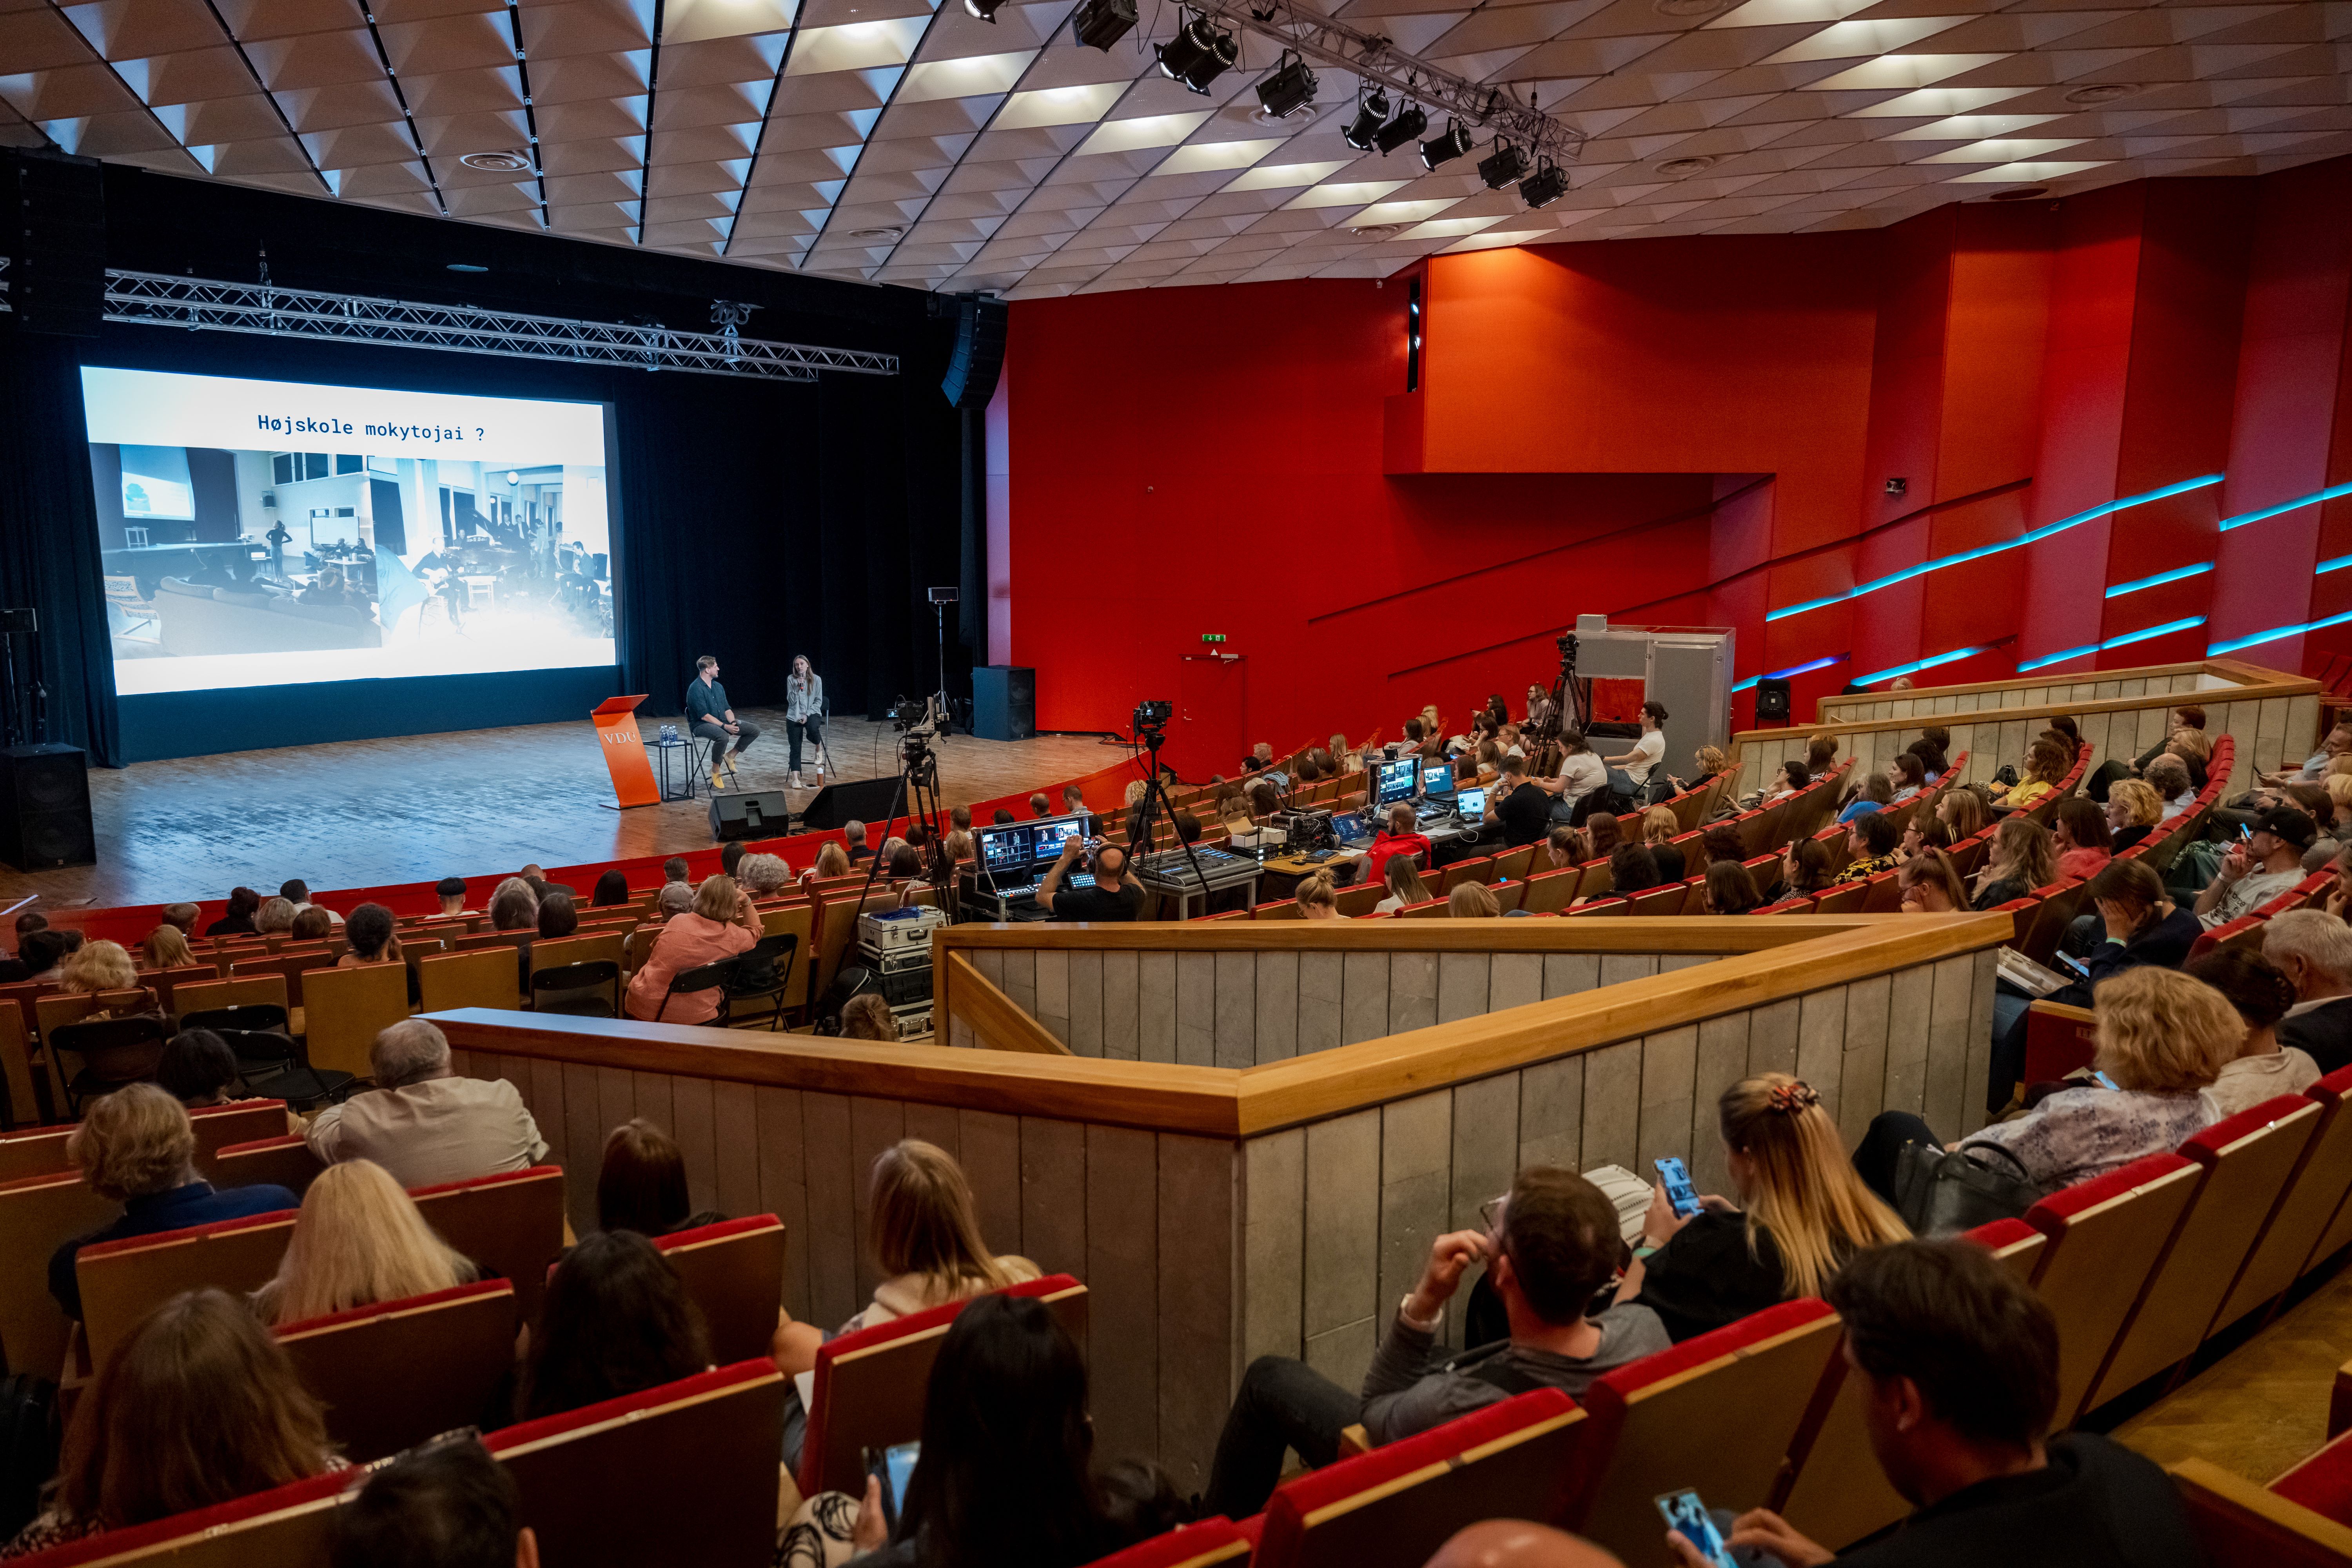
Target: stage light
{"points": [[1370, 113], [1290, 88], [1545, 186], [984, 9], [1506, 165], [1099, 24], [1406, 127], [1440, 149], [1198, 54]]}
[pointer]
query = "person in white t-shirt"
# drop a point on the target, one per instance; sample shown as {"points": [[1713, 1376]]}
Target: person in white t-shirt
{"points": [[2264, 1068], [1580, 773], [1647, 751]]}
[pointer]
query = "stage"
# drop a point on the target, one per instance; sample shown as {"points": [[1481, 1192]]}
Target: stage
{"points": [[364, 813]]}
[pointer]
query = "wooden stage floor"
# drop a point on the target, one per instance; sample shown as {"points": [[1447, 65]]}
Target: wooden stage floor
{"points": [[368, 813]]}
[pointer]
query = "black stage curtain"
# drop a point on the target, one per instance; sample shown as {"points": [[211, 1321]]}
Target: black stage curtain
{"points": [[755, 519]]}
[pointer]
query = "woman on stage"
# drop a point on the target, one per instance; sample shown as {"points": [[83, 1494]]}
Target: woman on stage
{"points": [[804, 714]]}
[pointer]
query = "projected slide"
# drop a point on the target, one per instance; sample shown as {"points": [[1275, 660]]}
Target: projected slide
{"points": [[264, 532]]}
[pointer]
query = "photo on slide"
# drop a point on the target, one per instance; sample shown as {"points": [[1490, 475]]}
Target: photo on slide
{"points": [[263, 534]]}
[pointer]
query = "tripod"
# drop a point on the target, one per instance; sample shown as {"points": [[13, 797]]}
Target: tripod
{"points": [[1152, 733], [919, 786], [1566, 691]]}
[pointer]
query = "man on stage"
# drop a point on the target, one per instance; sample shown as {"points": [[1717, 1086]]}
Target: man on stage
{"points": [[710, 718]]}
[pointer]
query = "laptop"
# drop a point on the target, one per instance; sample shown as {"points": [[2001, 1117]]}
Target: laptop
{"points": [[1471, 803], [1348, 826]]}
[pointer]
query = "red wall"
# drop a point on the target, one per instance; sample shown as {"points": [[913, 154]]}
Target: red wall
{"points": [[1690, 430]]}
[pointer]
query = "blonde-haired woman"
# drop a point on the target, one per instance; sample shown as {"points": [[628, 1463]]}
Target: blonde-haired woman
{"points": [[2162, 1037], [721, 924], [1404, 883], [1964, 812], [1472, 902], [358, 1240], [166, 947], [1658, 826], [98, 967], [2024, 856], [2133, 811], [1802, 1214], [1318, 897], [275, 918]]}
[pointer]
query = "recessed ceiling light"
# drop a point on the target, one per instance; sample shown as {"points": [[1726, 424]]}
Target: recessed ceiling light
{"points": [[514, 163], [2027, 194], [2101, 92], [1683, 168], [1689, 7], [1377, 230], [466, 266], [889, 231]]}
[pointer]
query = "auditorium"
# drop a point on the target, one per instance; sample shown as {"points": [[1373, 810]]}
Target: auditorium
{"points": [[635, 730]]}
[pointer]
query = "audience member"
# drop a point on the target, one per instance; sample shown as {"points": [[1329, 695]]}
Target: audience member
{"points": [[721, 924], [612, 890], [1804, 868], [1722, 842], [369, 937], [295, 891], [1803, 1213], [1645, 752], [675, 899], [2162, 1037], [1041, 805], [1581, 775], [166, 947], [43, 954], [1115, 896], [557, 917], [275, 918], [451, 892], [2078, 831], [1710, 762], [197, 1068], [1471, 900], [1821, 753], [866, 1016], [2133, 808], [2314, 950], [1549, 1245], [1659, 827], [1606, 832], [1959, 1360], [1931, 885], [1517, 1543], [1875, 792], [832, 860], [1401, 835], [12, 968], [1318, 895], [2262, 1068], [2187, 716], [2021, 860], [1729, 889], [961, 851], [198, 1407], [423, 1123], [2255, 871], [2169, 776], [445, 1504], [730, 855], [181, 918], [1871, 843], [1404, 886], [359, 1240], [1007, 1449], [1632, 869], [641, 1184], [135, 1147], [1909, 775], [2195, 749], [1564, 846], [1921, 834], [237, 918], [310, 925], [95, 967], [1963, 811], [675, 869], [2047, 763], [514, 906], [853, 835], [616, 1321], [1522, 808]]}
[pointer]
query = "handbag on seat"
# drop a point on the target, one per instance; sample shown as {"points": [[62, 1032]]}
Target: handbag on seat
{"points": [[1942, 1194]]}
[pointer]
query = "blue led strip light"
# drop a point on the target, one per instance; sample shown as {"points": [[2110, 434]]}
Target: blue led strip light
{"points": [[1917, 666], [2313, 498], [2033, 536], [2175, 576], [1793, 669], [2234, 644], [2186, 623], [2336, 565]]}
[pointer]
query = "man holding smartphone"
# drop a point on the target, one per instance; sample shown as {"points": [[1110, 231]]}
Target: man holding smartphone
{"points": [[2267, 862], [1114, 897]]}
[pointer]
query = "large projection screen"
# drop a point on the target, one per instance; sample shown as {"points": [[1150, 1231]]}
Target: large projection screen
{"points": [[261, 533]]}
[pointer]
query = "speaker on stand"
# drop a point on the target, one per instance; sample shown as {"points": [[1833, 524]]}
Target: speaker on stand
{"points": [[1772, 701]]}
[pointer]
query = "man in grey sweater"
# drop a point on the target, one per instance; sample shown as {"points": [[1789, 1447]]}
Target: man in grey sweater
{"points": [[1549, 1248]]}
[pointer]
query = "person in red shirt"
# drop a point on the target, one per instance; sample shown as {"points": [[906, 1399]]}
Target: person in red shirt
{"points": [[1399, 838]]}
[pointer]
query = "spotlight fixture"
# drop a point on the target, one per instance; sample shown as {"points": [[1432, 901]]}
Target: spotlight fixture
{"points": [[514, 163], [2101, 93], [1545, 186], [1289, 88], [1684, 168], [1506, 165], [984, 9], [1369, 112], [1406, 127], [1099, 24], [2026, 194], [1440, 148], [1198, 54]]}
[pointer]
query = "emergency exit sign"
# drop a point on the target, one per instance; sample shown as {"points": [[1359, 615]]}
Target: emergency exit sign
{"points": [[1212, 637]]}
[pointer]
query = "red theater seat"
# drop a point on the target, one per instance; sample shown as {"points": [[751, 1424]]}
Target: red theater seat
{"points": [[735, 1272], [1398, 1503], [38, 1213], [511, 1224], [1198, 1545], [395, 1374], [122, 1281], [287, 1526], [2104, 1237], [1723, 1410], [284, 1161], [2240, 1525], [869, 1386], [685, 1473], [2314, 1219], [2322, 1483]]}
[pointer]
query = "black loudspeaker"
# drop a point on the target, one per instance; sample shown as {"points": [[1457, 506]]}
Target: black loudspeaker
{"points": [[1003, 702], [1771, 700], [859, 800], [971, 380], [57, 245], [44, 808], [750, 813]]}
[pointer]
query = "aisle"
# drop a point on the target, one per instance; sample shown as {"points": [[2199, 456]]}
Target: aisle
{"points": [[368, 813]]}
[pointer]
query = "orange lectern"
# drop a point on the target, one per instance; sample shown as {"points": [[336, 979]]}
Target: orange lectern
{"points": [[625, 754]]}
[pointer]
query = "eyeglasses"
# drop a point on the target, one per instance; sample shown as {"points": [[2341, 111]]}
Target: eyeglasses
{"points": [[1490, 1214]]}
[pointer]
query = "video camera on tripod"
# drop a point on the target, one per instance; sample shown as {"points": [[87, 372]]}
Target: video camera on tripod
{"points": [[1152, 722]]}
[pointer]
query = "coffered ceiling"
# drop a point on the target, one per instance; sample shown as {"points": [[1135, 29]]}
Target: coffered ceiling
{"points": [[889, 142]]}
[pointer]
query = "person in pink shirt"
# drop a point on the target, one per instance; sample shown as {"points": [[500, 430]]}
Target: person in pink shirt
{"points": [[2081, 837], [721, 924]]}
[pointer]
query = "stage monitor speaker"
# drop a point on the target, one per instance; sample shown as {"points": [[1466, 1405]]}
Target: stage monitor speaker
{"points": [[1003, 702], [44, 808], [1773, 699], [750, 813], [859, 800], [56, 247], [971, 380]]}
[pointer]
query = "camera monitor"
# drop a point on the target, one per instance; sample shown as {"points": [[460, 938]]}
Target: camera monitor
{"points": [[1393, 781], [1438, 778], [1050, 836], [1004, 851]]}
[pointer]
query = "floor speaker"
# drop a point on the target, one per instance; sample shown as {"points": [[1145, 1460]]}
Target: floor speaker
{"points": [[750, 813], [1003, 702], [44, 808], [859, 800]]}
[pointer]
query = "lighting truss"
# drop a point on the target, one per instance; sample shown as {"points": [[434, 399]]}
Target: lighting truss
{"points": [[1294, 27], [203, 304]]}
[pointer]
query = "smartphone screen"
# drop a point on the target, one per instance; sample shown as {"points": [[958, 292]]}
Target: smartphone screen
{"points": [[2103, 1081], [1688, 1517], [895, 1466], [2245, 833], [1676, 1178], [2077, 964]]}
